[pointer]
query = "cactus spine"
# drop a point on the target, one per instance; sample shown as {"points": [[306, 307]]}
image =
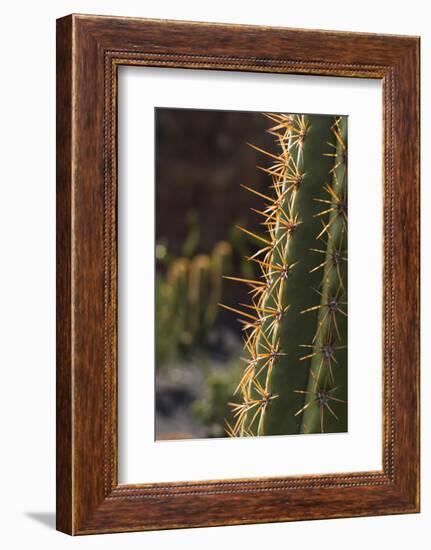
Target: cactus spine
{"points": [[275, 383]]}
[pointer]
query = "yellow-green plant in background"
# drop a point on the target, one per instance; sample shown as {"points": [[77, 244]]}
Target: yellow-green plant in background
{"points": [[186, 301]]}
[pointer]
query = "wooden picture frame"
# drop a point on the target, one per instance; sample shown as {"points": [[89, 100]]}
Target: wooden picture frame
{"points": [[89, 52]]}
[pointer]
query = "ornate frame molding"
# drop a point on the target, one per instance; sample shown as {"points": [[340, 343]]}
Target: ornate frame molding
{"points": [[90, 49]]}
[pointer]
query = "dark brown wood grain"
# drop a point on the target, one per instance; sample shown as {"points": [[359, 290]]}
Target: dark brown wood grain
{"points": [[89, 51], [64, 287]]}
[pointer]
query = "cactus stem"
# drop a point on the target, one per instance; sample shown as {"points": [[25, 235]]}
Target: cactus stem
{"points": [[337, 205], [332, 307], [327, 351], [240, 410], [332, 261], [321, 397]]}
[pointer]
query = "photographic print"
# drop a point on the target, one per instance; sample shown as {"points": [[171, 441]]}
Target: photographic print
{"points": [[251, 273]]}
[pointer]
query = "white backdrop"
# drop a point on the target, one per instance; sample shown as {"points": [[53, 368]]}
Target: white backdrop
{"points": [[141, 458], [27, 122]]}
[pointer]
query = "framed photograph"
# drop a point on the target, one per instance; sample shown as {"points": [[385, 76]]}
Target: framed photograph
{"points": [[237, 274]]}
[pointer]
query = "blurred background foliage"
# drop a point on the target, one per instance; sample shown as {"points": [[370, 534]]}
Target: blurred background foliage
{"points": [[202, 157]]}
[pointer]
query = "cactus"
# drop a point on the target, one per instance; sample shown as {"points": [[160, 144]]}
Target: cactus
{"points": [[221, 257], [177, 280], [199, 285], [276, 389], [165, 345], [191, 242], [186, 302]]}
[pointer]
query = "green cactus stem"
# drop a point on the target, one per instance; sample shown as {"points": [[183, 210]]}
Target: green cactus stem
{"points": [[198, 297], [187, 301], [165, 344], [326, 395], [221, 259], [178, 280]]}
